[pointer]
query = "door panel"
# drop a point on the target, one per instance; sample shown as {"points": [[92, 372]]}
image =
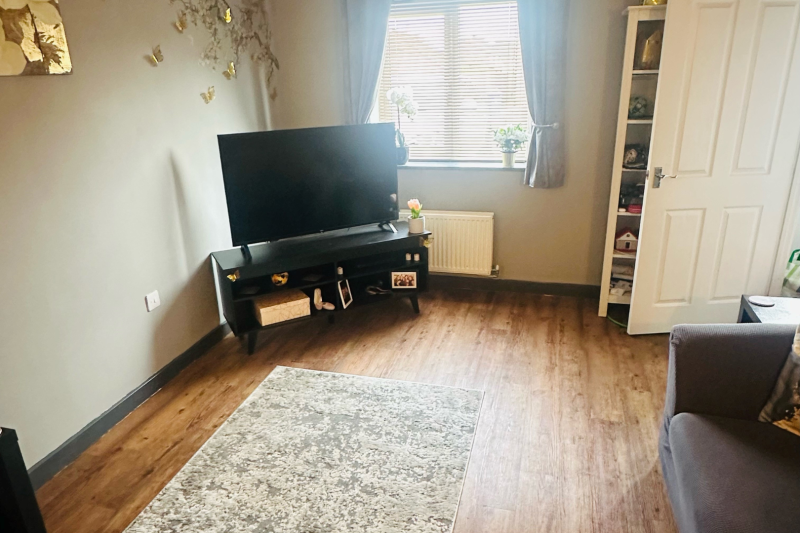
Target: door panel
{"points": [[705, 87], [766, 87], [737, 239], [727, 125], [682, 230]]}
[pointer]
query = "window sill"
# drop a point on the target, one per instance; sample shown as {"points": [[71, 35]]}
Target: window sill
{"points": [[458, 165]]}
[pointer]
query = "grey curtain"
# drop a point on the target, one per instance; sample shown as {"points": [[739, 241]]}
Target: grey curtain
{"points": [[367, 21], [543, 38]]}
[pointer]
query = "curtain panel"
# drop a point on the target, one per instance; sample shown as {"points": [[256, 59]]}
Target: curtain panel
{"points": [[367, 22], [543, 40]]}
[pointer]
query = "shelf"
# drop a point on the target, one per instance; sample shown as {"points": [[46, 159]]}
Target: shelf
{"points": [[270, 289], [640, 121], [618, 255], [250, 323], [626, 214], [625, 299], [385, 269], [624, 169], [645, 72]]}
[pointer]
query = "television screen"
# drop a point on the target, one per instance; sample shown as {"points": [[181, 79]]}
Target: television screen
{"points": [[288, 183]]}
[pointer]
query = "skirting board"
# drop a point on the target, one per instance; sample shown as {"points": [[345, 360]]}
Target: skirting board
{"points": [[44, 470], [446, 281]]}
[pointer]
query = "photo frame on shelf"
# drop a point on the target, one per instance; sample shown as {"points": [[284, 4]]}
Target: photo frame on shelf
{"points": [[404, 280], [345, 293]]}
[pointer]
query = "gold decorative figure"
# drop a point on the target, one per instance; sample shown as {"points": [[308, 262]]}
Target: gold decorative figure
{"points": [[230, 73], [280, 279], [227, 16], [156, 57], [209, 95], [651, 54], [234, 276], [180, 24]]}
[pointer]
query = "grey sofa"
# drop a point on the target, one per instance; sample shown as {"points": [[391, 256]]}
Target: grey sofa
{"points": [[724, 470]]}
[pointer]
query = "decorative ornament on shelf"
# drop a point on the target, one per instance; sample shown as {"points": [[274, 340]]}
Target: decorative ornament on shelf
{"points": [[654, 2], [416, 221], [403, 99], [651, 54], [280, 279], [156, 57], [230, 73], [625, 240], [637, 109], [635, 157], [209, 95], [32, 39], [510, 139]]}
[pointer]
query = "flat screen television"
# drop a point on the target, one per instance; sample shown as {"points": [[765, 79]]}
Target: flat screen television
{"points": [[287, 183]]}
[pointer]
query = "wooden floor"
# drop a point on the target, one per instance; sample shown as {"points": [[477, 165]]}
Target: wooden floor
{"points": [[567, 438]]}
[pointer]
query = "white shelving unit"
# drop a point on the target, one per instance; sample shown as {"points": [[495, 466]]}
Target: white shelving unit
{"points": [[636, 81]]}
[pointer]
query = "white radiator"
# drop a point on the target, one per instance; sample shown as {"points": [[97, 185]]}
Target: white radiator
{"points": [[462, 241]]}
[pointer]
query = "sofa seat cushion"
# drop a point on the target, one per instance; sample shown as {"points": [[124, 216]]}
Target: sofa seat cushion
{"points": [[735, 476]]}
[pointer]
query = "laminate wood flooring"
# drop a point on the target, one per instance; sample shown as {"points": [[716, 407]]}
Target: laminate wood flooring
{"points": [[566, 442]]}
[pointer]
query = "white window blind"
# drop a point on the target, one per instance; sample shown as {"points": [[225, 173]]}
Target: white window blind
{"points": [[462, 59]]}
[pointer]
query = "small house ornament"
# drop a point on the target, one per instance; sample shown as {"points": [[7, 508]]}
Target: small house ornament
{"points": [[625, 240]]}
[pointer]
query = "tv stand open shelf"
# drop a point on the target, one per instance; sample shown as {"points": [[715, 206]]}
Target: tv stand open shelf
{"points": [[367, 256]]}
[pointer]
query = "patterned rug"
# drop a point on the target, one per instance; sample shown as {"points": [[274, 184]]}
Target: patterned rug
{"points": [[321, 452]]}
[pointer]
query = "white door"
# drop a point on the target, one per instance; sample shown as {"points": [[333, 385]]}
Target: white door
{"points": [[728, 127]]}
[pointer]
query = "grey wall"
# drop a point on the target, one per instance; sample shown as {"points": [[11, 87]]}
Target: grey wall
{"points": [[541, 235], [110, 187]]}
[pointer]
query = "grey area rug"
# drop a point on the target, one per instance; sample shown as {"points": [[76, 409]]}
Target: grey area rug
{"points": [[321, 452]]}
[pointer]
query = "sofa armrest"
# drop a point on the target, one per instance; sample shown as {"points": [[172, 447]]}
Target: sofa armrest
{"points": [[725, 370]]}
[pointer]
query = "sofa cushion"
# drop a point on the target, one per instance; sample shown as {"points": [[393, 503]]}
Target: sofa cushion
{"points": [[735, 476], [783, 406]]}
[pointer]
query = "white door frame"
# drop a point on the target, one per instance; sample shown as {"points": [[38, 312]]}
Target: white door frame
{"points": [[790, 220]]}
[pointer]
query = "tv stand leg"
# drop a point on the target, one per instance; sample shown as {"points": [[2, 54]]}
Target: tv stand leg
{"points": [[246, 253], [414, 303], [252, 338], [387, 226]]}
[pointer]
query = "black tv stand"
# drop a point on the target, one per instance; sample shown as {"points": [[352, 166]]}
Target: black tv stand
{"points": [[367, 259], [387, 226], [246, 253]]}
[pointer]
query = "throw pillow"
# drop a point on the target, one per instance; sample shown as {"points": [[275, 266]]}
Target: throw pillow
{"points": [[783, 407]]}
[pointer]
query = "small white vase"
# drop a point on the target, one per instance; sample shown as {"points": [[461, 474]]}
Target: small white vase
{"points": [[508, 159], [416, 225]]}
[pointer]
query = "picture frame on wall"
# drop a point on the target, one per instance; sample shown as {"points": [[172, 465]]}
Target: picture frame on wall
{"points": [[345, 293], [404, 280]]}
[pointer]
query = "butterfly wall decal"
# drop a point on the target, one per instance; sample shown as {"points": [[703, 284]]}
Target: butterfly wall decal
{"points": [[156, 57], [227, 16], [230, 73], [209, 95], [180, 24]]}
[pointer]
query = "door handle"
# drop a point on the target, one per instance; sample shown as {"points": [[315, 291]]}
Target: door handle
{"points": [[658, 176]]}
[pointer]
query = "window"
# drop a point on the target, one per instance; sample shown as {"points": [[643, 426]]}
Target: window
{"points": [[463, 61]]}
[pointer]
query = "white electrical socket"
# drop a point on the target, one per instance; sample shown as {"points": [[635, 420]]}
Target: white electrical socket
{"points": [[152, 301]]}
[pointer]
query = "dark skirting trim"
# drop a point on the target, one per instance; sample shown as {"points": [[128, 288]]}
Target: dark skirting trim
{"points": [[62, 456], [446, 281]]}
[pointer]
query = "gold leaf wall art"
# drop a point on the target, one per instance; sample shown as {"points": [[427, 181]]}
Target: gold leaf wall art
{"points": [[32, 38]]}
